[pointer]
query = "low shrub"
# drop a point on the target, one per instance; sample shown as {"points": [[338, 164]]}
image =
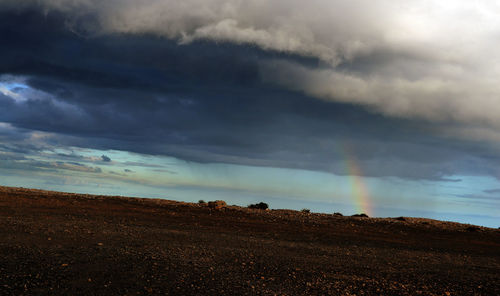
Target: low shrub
{"points": [[259, 206], [307, 211], [473, 228]]}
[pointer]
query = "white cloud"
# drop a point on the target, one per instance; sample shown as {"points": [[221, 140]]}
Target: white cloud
{"points": [[436, 96], [331, 30]]}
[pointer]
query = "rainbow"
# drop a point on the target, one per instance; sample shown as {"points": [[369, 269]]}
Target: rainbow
{"points": [[359, 191]]}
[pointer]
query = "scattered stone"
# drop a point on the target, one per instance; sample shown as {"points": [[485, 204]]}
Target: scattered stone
{"points": [[217, 205]]}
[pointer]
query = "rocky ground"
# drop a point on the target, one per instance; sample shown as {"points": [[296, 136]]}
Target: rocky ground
{"points": [[71, 244]]}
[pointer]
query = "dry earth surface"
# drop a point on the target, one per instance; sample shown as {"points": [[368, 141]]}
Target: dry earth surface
{"points": [[73, 244]]}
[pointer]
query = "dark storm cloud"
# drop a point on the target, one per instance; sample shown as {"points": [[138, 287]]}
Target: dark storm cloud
{"points": [[38, 44], [399, 60], [201, 101]]}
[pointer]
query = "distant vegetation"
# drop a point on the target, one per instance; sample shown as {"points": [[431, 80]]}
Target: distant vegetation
{"points": [[260, 206], [201, 201], [360, 215], [306, 211], [473, 228]]}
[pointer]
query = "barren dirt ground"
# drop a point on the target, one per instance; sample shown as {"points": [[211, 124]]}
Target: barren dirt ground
{"points": [[72, 244]]}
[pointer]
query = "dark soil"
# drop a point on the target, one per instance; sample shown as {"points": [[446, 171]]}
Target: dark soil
{"points": [[70, 244]]}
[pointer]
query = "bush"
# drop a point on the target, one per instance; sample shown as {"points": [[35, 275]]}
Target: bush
{"points": [[360, 215], [201, 201], [473, 228], [338, 214], [259, 206], [307, 211]]}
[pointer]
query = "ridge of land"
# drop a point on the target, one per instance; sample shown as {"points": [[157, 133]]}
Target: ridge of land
{"points": [[54, 243]]}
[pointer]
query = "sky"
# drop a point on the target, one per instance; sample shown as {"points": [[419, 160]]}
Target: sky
{"points": [[384, 107]]}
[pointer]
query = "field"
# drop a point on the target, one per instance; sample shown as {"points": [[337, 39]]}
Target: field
{"points": [[72, 244]]}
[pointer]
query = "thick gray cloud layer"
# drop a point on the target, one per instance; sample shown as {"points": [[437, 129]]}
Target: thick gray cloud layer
{"points": [[430, 60], [234, 82]]}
